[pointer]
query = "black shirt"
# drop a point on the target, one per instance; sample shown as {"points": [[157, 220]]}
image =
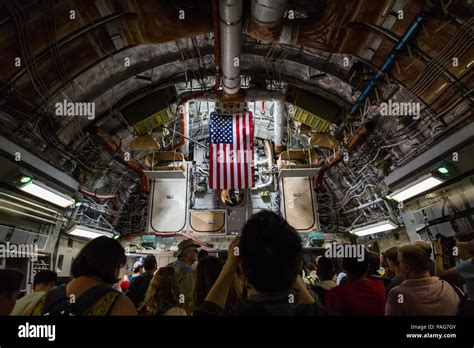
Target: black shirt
{"points": [[138, 288], [279, 303]]}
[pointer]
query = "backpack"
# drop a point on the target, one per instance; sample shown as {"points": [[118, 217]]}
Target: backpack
{"points": [[57, 303], [466, 306]]}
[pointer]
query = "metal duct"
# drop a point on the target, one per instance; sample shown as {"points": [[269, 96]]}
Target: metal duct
{"points": [[267, 18], [279, 116], [231, 32]]}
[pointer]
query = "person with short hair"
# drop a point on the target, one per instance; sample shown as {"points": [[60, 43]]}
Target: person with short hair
{"points": [[162, 296], [325, 271], [359, 295], [10, 287], [186, 256], [426, 246], [464, 271], [420, 293], [139, 285], [374, 265], [270, 256], [394, 266], [44, 282], [311, 275]]}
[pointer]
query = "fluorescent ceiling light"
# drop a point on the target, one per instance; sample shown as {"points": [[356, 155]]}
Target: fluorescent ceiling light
{"points": [[415, 188], [46, 193], [88, 232], [381, 226]]}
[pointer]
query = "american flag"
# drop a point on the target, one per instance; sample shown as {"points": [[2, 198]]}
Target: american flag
{"points": [[231, 151]]}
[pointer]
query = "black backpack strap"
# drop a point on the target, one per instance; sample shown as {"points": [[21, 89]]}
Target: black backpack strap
{"points": [[459, 292], [165, 307], [89, 297], [56, 297]]}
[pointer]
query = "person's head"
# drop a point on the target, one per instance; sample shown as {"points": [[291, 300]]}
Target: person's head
{"points": [[270, 252], [310, 267], [202, 254], [425, 246], [10, 286], [325, 268], [391, 256], [207, 272], [187, 251], [137, 267], [45, 281], [150, 264], [102, 258], [374, 262], [414, 262], [356, 267], [163, 289], [465, 244]]}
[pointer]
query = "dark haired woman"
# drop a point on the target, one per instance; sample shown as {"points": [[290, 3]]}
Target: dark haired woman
{"points": [[95, 270]]}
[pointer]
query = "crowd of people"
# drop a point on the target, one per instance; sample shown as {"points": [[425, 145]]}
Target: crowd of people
{"points": [[262, 275]]}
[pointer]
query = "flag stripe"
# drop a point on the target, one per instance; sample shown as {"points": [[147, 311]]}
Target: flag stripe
{"points": [[221, 167], [252, 164], [245, 164], [248, 167], [242, 153], [235, 177], [212, 179], [239, 151]]}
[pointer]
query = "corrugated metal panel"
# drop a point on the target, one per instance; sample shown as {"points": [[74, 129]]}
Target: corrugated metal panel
{"points": [[311, 120], [154, 121]]}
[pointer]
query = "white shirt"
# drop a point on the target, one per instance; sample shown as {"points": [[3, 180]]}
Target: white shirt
{"points": [[25, 301]]}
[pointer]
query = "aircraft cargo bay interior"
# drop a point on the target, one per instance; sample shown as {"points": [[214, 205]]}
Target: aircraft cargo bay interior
{"points": [[236, 157]]}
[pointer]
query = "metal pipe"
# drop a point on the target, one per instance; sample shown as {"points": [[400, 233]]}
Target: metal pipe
{"points": [[267, 18], [88, 193], [362, 206], [28, 208], [268, 152], [231, 32], [412, 29], [217, 43], [268, 11], [279, 117], [251, 95], [29, 215]]}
